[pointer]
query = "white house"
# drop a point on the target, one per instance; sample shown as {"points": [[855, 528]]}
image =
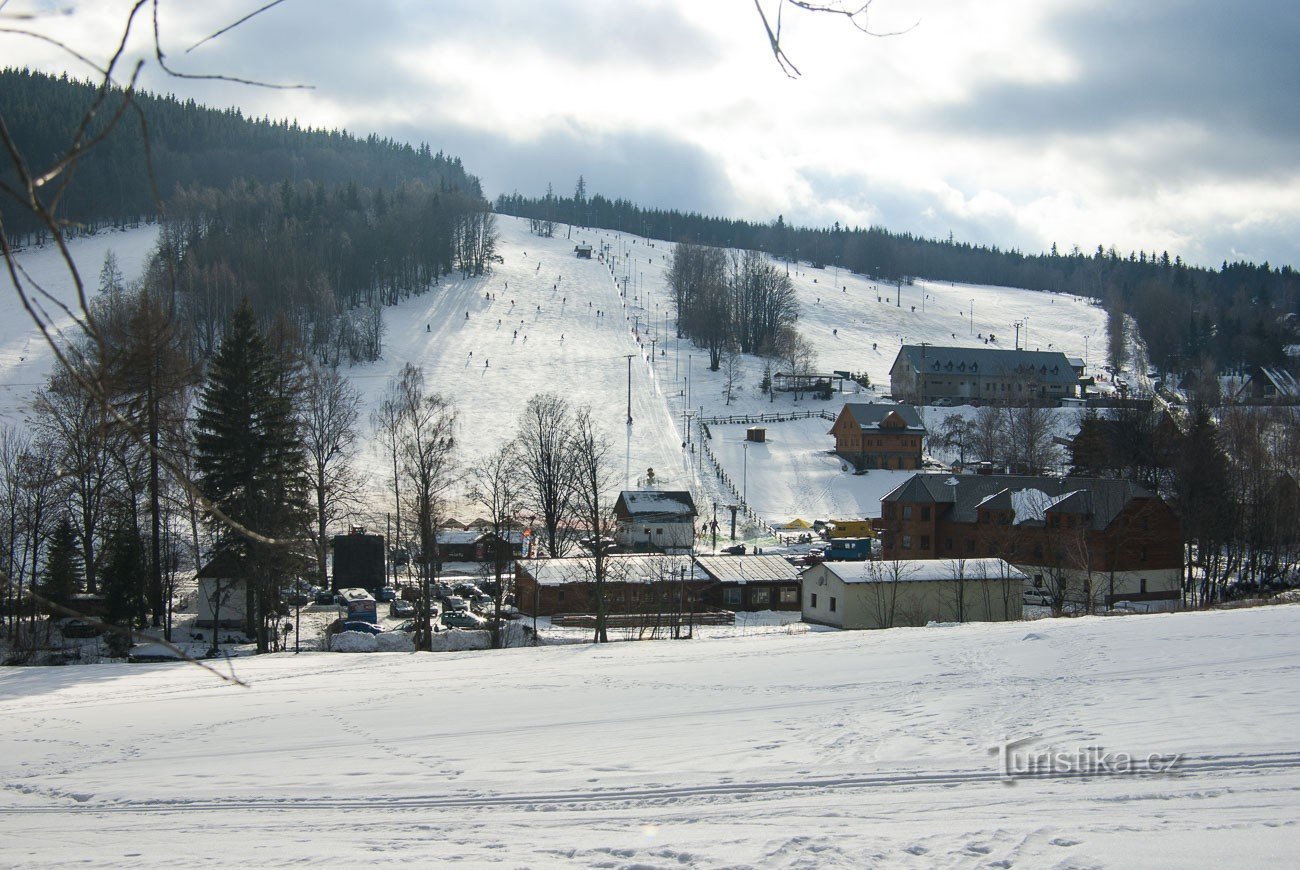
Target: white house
{"points": [[222, 599], [911, 593], [655, 520]]}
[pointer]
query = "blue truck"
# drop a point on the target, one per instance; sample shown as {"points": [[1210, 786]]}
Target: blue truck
{"points": [[849, 549]]}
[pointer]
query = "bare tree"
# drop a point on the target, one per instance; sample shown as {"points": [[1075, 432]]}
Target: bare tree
{"points": [[329, 419], [544, 451], [426, 446], [799, 358], [594, 482], [496, 488], [732, 361]]}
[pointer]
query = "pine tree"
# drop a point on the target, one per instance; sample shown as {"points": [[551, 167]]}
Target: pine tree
{"points": [[62, 577], [251, 464], [124, 592]]}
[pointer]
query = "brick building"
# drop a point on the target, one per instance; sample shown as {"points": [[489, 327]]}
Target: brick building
{"points": [[750, 582], [1077, 538], [879, 436]]}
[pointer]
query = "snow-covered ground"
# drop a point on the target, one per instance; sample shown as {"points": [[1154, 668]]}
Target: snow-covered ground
{"points": [[802, 750]]}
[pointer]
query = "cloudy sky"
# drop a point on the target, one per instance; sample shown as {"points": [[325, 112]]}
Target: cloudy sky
{"points": [[1156, 125]]}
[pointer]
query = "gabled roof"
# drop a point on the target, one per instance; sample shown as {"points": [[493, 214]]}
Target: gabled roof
{"points": [[458, 537], [655, 505], [1047, 366], [1031, 496], [748, 569], [1283, 381], [870, 415], [618, 569]]}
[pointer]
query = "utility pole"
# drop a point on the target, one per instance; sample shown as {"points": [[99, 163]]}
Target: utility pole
{"points": [[1017, 326], [733, 520], [715, 526], [629, 389]]}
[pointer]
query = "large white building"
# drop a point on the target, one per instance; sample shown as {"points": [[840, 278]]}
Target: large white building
{"points": [[912, 593]]}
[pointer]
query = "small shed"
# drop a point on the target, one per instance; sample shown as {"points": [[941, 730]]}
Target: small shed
{"points": [[583, 251], [223, 593], [892, 594], [750, 582], [756, 433]]}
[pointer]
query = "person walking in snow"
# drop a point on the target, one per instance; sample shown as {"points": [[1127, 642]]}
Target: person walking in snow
{"points": [[467, 315], [426, 328]]}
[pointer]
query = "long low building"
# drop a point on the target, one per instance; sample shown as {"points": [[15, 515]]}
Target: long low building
{"points": [[633, 584], [750, 582], [856, 595]]}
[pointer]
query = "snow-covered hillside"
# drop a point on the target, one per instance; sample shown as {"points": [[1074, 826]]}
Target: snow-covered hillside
{"points": [[545, 320], [25, 357], [847, 749]]}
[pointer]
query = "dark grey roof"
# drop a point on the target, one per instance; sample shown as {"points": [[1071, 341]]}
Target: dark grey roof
{"points": [[869, 415], [656, 504], [1048, 366], [1103, 497]]}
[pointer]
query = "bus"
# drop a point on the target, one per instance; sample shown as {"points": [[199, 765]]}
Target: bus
{"points": [[360, 605]]}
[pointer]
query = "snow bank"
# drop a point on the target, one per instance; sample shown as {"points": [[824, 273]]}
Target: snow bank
{"points": [[458, 640], [353, 642], [395, 641]]}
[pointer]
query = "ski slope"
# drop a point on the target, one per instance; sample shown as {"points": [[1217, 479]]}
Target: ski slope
{"points": [[25, 358], [824, 749], [531, 326]]}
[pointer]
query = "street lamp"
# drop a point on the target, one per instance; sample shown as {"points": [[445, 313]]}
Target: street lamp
{"points": [[744, 478]]}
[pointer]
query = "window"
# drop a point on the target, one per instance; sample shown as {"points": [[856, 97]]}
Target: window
{"points": [[1038, 551], [760, 595], [1038, 581], [907, 542], [925, 542], [789, 594], [659, 532], [1144, 552], [731, 597], [907, 511], [812, 600], [1142, 585], [832, 604], [925, 513], [559, 595], [647, 531]]}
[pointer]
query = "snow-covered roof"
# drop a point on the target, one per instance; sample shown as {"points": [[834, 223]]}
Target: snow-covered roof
{"points": [[921, 570], [1048, 365], [748, 569], [655, 504], [458, 537], [653, 568], [869, 415]]}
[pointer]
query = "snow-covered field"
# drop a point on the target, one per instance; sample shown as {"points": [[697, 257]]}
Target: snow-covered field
{"points": [[806, 750]]}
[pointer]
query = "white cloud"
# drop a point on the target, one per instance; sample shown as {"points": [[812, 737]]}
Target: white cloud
{"points": [[1016, 124]]}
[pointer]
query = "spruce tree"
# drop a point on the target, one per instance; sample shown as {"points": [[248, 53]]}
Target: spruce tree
{"points": [[251, 463], [62, 577], [121, 581]]}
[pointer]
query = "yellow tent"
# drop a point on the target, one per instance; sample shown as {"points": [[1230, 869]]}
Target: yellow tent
{"points": [[798, 523]]}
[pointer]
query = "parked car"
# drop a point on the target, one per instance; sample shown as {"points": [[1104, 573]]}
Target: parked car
{"points": [[296, 597], [455, 602], [411, 625], [734, 550], [385, 593], [324, 596], [398, 608], [467, 590], [1037, 597], [463, 619], [77, 628], [341, 625], [441, 591]]}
